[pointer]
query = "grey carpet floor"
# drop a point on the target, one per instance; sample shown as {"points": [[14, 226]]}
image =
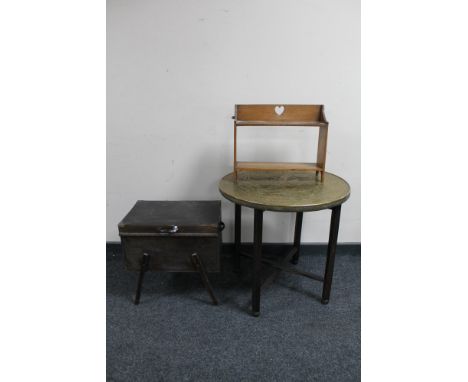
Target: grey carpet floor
{"points": [[176, 334]]}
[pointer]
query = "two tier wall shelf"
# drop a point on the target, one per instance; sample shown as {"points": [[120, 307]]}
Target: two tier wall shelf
{"points": [[283, 115]]}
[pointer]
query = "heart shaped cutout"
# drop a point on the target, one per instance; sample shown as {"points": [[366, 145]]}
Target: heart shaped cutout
{"points": [[279, 110]]}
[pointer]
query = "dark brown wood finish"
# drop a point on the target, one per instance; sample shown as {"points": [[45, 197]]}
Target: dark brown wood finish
{"points": [[163, 235], [269, 274], [297, 236], [198, 265], [262, 276], [157, 218], [237, 236], [258, 228], [331, 251], [141, 275], [170, 231], [281, 266]]}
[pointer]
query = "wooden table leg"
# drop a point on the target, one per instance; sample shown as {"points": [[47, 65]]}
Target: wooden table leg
{"points": [[258, 228], [331, 250], [237, 237], [297, 237], [143, 268], [198, 264]]}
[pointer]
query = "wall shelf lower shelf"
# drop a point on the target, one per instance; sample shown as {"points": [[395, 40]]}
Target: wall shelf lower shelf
{"points": [[278, 166]]}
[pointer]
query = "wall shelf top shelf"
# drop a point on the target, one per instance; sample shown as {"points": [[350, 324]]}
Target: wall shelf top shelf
{"points": [[288, 123]]}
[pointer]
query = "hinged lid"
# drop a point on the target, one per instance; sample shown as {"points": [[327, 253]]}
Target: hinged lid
{"points": [[172, 218]]}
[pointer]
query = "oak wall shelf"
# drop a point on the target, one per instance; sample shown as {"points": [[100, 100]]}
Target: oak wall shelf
{"points": [[282, 115]]}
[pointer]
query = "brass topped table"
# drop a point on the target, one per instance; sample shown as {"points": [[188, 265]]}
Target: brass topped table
{"points": [[285, 191]]}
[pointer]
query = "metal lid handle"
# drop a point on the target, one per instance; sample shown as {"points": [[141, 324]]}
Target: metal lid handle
{"points": [[169, 229]]}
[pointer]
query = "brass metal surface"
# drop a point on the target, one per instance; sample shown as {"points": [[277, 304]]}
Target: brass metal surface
{"points": [[285, 190]]}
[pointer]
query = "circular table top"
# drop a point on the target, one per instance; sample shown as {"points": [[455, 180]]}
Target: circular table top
{"points": [[285, 191]]}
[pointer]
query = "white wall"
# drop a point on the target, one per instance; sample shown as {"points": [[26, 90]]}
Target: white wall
{"points": [[175, 70]]}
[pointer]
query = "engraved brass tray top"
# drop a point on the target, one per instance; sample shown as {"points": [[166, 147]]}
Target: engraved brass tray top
{"points": [[285, 191]]}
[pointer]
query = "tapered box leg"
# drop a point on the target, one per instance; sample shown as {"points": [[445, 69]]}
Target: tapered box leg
{"points": [[141, 275]]}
